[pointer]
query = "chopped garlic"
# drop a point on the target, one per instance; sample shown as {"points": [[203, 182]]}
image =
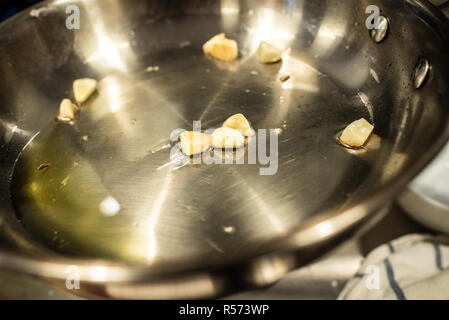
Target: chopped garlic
{"points": [[221, 48], [83, 89], [66, 110], [267, 53], [284, 77], [194, 142], [357, 133], [227, 138], [240, 123], [65, 181]]}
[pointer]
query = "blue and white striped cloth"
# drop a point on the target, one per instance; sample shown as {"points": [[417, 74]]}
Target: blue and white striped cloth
{"points": [[412, 267]]}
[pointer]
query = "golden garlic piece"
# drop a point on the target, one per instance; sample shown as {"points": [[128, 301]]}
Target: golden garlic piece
{"points": [[267, 53], [240, 123], [67, 110], [356, 135], [221, 48], [227, 138], [83, 89], [194, 142]]}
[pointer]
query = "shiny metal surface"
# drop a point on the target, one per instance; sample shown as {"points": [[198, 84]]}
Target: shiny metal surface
{"points": [[381, 31], [171, 228], [421, 72]]}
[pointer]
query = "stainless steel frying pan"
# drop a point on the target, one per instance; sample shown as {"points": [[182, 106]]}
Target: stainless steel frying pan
{"points": [[204, 230]]}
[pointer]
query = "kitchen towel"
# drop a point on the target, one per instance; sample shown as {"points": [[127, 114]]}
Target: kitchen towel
{"points": [[411, 267]]}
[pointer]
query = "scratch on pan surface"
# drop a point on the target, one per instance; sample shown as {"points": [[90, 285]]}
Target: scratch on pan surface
{"points": [[374, 74], [214, 245], [367, 104]]}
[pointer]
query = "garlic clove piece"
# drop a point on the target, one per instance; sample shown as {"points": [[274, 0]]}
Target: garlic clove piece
{"points": [[357, 134], [227, 138], [240, 123], [221, 48], [67, 110], [194, 142], [83, 89], [267, 53]]}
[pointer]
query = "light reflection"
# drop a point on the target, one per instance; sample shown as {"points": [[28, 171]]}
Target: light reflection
{"points": [[154, 216], [270, 269], [192, 287], [110, 47], [287, 86], [264, 209], [273, 28], [110, 206], [99, 273], [303, 77], [59, 2], [329, 36], [327, 228], [230, 7], [230, 14], [115, 106], [108, 50], [367, 103], [113, 90], [121, 91], [10, 130], [269, 30], [394, 165], [113, 97], [324, 229]]}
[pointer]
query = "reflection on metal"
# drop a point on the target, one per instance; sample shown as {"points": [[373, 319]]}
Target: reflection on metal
{"points": [[272, 27], [380, 33], [367, 103], [303, 76], [8, 130], [269, 270], [230, 10], [153, 216], [324, 229], [374, 75], [113, 89], [110, 48], [421, 72], [330, 33], [188, 287], [109, 206], [99, 273]]}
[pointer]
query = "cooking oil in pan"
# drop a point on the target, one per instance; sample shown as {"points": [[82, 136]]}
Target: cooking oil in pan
{"points": [[61, 199]]}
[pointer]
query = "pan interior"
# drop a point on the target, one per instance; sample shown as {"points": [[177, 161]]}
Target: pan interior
{"points": [[117, 153]]}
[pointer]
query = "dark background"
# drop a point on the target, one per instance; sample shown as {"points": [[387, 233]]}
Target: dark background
{"points": [[11, 7]]}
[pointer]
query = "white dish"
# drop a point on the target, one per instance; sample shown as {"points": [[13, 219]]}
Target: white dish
{"points": [[426, 199]]}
